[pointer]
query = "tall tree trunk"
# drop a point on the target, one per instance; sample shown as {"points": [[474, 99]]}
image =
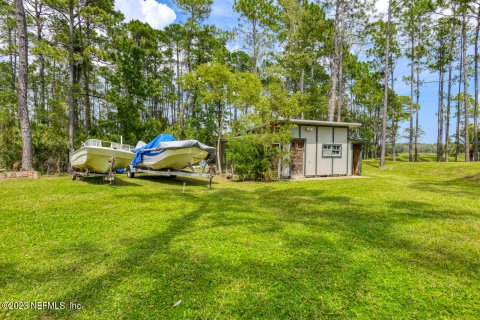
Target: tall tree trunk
{"points": [[189, 48], [465, 85], [459, 105], [41, 75], [440, 116], [417, 129], [447, 118], [12, 60], [255, 46], [87, 65], [179, 98], [41, 59], [88, 104], [71, 84], [302, 88], [475, 115], [385, 93], [394, 126], [340, 77], [335, 67], [412, 66], [26, 132], [457, 132], [219, 140]]}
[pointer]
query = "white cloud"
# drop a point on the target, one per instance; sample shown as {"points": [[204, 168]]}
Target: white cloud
{"points": [[381, 6], [157, 15], [234, 45]]}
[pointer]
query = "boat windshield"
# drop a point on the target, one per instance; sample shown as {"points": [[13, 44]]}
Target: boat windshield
{"points": [[92, 143], [106, 144], [120, 146]]}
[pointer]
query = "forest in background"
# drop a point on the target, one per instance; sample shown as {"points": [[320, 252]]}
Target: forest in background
{"points": [[74, 69]]}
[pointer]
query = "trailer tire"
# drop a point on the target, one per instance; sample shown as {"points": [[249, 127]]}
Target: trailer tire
{"points": [[74, 177], [130, 174]]}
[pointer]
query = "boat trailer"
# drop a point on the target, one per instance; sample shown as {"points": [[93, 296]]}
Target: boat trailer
{"points": [[107, 176], [170, 173]]}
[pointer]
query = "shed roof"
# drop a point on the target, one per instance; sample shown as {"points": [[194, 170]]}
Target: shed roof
{"points": [[312, 123], [326, 123]]}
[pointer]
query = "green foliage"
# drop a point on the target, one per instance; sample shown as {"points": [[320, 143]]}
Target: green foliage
{"points": [[198, 10], [306, 33], [256, 156], [257, 25], [430, 148], [277, 103], [131, 84], [10, 144], [215, 86], [253, 160], [264, 12], [51, 149]]}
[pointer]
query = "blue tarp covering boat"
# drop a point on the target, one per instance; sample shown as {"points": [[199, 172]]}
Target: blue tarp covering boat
{"points": [[164, 137]]}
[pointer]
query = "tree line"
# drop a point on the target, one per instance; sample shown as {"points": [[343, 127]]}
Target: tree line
{"points": [[440, 37], [75, 69]]}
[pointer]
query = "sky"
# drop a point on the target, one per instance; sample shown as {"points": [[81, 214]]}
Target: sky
{"points": [[160, 13]]}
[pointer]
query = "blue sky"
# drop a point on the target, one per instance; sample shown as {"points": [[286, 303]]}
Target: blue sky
{"points": [[163, 12], [427, 116]]}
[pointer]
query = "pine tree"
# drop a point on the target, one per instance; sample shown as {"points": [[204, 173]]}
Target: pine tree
{"points": [[22, 87]]}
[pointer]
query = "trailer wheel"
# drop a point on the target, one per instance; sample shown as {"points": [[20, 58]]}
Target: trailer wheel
{"points": [[74, 177], [130, 174]]}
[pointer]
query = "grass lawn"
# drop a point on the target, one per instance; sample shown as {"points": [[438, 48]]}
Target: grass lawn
{"points": [[403, 243]]}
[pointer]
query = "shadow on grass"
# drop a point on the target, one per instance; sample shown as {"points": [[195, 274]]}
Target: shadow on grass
{"points": [[95, 290], [123, 182], [465, 186], [371, 163], [9, 273], [196, 181], [118, 182], [325, 270], [473, 178]]}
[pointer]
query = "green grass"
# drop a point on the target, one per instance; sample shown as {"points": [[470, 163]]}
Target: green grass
{"points": [[403, 243]]}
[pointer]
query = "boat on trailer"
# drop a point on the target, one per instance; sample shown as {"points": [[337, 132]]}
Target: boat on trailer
{"points": [[167, 157], [175, 155], [100, 158]]}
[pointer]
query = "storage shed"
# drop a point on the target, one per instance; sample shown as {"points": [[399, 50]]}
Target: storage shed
{"points": [[323, 148], [318, 149]]}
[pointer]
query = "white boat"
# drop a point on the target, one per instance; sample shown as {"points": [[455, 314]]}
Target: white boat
{"points": [[175, 155], [96, 156], [175, 159]]}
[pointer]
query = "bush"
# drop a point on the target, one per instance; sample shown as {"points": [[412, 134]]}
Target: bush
{"points": [[10, 143], [50, 148], [256, 156]]}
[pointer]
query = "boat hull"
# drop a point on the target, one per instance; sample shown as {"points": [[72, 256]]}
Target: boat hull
{"points": [[97, 159], [175, 159]]}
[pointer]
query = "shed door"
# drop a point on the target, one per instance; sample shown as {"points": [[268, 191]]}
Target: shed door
{"points": [[356, 159], [298, 150]]}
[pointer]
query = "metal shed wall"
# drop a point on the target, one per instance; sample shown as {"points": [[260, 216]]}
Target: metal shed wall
{"points": [[340, 137], [315, 137], [324, 165], [349, 158]]}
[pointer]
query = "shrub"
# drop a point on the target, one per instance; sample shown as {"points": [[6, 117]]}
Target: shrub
{"points": [[256, 156]]}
